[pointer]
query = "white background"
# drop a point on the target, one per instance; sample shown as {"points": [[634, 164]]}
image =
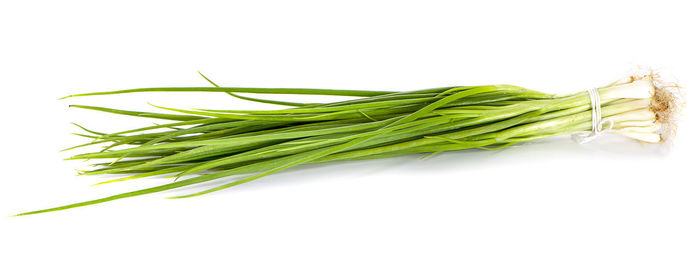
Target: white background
{"points": [[553, 205]]}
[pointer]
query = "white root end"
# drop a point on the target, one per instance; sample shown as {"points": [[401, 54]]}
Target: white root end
{"points": [[658, 122]]}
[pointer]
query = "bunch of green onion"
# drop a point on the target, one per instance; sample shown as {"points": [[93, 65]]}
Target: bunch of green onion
{"points": [[202, 145]]}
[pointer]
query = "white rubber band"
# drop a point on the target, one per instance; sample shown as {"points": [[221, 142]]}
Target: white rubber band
{"points": [[596, 121]]}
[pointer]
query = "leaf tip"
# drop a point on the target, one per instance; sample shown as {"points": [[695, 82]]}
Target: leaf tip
{"points": [[180, 196]]}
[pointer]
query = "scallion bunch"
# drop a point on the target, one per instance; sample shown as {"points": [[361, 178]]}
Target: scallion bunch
{"points": [[201, 145]]}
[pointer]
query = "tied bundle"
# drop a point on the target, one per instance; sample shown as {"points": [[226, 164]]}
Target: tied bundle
{"points": [[202, 145]]}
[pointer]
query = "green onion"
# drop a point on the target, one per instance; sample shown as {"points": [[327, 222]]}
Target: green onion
{"points": [[217, 143]]}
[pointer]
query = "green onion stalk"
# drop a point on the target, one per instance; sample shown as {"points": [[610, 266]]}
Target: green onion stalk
{"points": [[202, 145]]}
